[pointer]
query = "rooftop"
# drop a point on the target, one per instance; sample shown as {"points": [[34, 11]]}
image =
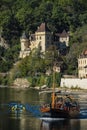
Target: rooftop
{"points": [[64, 34], [43, 28], [84, 54], [24, 36]]}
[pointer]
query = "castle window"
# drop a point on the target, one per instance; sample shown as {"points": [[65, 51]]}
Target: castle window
{"points": [[40, 37], [48, 38], [79, 62], [48, 43], [40, 48]]}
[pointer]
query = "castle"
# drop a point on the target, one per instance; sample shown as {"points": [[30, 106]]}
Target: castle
{"points": [[42, 38]]}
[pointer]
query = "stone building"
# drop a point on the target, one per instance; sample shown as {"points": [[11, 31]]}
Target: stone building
{"points": [[42, 38], [64, 38], [25, 49], [82, 65]]}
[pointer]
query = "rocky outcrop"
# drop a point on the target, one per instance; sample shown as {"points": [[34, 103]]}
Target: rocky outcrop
{"points": [[3, 43], [21, 83]]}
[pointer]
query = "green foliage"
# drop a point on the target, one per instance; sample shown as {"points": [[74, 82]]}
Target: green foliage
{"points": [[17, 15], [34, 67], [5, 66], [4, 80], [2, 50], [8, 57], [57, 79], [49, 81], [77, 46]]}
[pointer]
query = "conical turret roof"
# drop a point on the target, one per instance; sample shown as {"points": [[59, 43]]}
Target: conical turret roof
{"points": [[24, 36]]}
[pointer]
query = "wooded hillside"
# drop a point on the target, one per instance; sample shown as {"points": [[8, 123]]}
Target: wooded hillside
{"points": [[26, 15]]}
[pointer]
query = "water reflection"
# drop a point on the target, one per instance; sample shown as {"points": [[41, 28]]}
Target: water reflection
{"points": [[22, 119], [19, 122], [7, 123], [60, 125], [24, 96]]}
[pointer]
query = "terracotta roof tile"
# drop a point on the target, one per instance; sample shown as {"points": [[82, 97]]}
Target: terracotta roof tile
{"points": [[85, 52], [43, 28], [64, 34]]}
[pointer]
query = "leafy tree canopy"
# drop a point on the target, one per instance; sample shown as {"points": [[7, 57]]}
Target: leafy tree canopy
{"points": [[19, 15]]}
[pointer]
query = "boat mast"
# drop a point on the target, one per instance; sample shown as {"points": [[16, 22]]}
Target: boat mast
{"points": [[53, 93]]}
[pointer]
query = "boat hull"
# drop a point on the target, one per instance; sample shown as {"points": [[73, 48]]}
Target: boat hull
{"points": [[54, 113]]}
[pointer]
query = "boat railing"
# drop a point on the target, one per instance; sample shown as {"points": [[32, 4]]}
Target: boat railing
{"points": [[45, 106]]}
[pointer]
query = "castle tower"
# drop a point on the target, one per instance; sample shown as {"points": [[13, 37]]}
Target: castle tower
{"points": [[64, 38], [25, 50], [43, 37]]}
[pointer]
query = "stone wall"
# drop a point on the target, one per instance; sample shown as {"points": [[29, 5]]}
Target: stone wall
{"points": [[74, 82], [21, 83]]}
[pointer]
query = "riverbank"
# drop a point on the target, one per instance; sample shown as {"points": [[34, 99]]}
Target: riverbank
{"points": [[24, 83], [63, 90]]}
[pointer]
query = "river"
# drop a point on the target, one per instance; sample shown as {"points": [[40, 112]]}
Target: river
{"points": [[26, 118]]}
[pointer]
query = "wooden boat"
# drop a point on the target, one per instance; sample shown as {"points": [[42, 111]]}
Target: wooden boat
{"points": [[61, 106]]}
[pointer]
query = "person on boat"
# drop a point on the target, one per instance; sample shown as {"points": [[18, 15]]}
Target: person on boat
{"points": [[68, 102], [59, 102]]}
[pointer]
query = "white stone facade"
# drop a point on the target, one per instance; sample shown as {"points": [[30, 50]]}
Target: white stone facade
{"points": [[42, 39], [25, 49], [74, 82], [64, 39], [82, 66]]}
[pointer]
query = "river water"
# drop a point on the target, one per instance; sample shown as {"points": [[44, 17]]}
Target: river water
{"points": [[18, 111]]}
